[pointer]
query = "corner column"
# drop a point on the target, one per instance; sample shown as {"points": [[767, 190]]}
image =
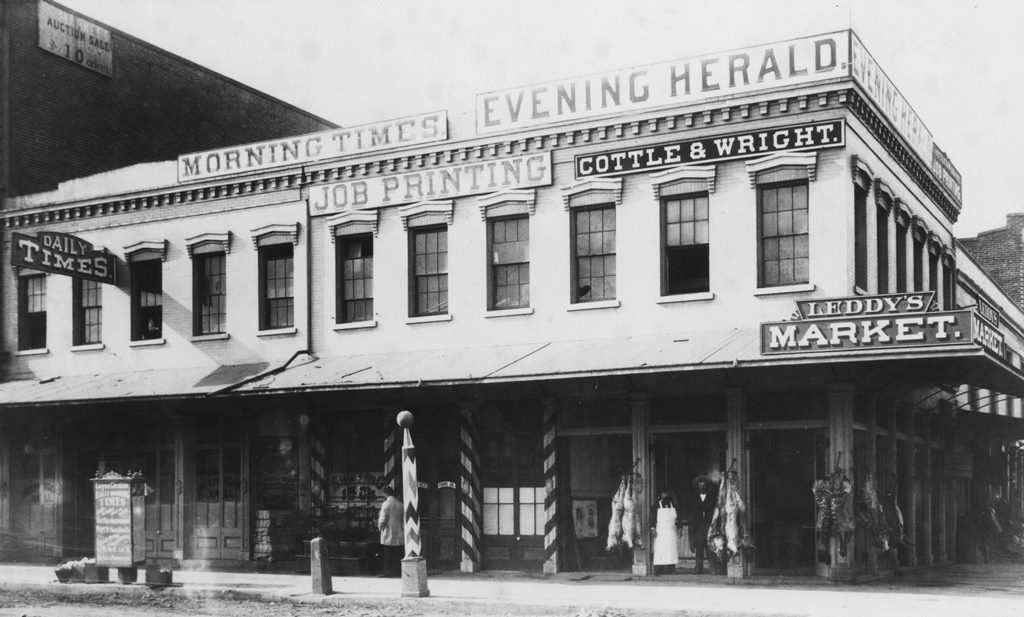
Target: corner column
{"points": [[926, 497], [840, 407], [736, 410], [910, 489], [871, 418], [640, 408]]}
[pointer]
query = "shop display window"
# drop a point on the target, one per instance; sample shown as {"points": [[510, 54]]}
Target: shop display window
{"points": [[593, 253], [32, 311], [584, 413], [784, 406], [688, 410], [597, 464]]}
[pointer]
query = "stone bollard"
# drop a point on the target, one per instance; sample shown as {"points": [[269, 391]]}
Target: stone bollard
{"points": [[320, 566]]}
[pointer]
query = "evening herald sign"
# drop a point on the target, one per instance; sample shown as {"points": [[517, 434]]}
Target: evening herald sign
{"points": [[717, 148], [410, 131], [75, 39], [61, 253], [517, 172], [872, 322], [690, 80]]}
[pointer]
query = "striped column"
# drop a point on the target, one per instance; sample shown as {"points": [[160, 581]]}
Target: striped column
{"points": [[391, 451], [551, 565], [317, 472], [411, 492], [469, 483]]}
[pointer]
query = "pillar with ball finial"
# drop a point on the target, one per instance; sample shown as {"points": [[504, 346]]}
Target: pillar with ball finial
{"points": [[414, 566]]}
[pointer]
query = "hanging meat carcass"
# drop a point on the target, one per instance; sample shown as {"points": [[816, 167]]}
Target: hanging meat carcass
{"points": [[726, 535], [842, 499], [630, 536], [615, 524]]}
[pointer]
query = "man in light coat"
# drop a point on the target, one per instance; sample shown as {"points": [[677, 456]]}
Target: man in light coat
{"points": [[391, 524]]}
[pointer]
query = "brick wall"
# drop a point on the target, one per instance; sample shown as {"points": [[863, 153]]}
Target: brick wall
{"points": [[1001, 253], [66, 121]]}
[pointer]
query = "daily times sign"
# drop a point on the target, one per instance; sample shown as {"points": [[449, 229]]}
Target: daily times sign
{"points": [[876, 322], [60, 253], [75, 39]]}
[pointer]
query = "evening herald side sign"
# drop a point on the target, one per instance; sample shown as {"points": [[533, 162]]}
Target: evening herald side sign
{"points": [[402, 132], [61, 253], [877, 322]]}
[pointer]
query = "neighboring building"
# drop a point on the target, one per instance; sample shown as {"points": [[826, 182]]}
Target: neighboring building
{"points": [[1001, 253], [78, 97], [738, 263]]}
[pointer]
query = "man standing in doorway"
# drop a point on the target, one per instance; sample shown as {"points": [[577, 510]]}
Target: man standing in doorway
{"points": [[703, 509], [392, 533]]}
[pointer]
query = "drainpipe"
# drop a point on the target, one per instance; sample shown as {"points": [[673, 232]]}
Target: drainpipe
{"points": [[259, 376]]}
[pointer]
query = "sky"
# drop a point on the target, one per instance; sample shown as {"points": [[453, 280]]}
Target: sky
{"points": [[957, 62]]}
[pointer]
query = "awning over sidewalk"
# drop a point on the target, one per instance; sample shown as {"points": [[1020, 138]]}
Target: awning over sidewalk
{"points": [[155, 383]]}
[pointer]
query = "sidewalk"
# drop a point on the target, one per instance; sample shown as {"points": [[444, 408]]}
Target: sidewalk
{"points": [[955, 591]]}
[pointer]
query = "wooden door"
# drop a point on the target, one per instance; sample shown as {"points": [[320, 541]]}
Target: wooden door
{"points": [[217, 517], [161, 525], [37, 507], [513, 491]]}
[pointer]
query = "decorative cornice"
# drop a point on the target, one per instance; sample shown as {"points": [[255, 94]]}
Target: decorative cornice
{"points": [[353, 221], [698, 174], [444, 208], [492, 203], [884, 198], [860, 172], [610, 186], [806, 162], [216, 241], [157, 247], [275, 233]]}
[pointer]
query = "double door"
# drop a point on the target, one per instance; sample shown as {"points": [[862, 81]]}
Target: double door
{"points": [[217, 520]]}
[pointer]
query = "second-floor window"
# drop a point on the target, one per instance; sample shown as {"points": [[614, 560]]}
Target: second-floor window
{"points": [[902, 233], [354, 267], [32, 312], [147, 299], [429, 267], [685, 257], [87, 326], [860, 238], [784, 254], [593, 276], [210, 293], [277, 278], [509, 263], [882, 248]]}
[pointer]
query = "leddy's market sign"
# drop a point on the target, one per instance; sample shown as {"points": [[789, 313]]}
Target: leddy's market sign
{"points": [[876, 322], [51, 251]]}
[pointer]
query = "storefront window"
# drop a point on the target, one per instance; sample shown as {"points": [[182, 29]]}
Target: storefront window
{"points": [[771, 406], [595, 413], [689, 410], [598, 464]]}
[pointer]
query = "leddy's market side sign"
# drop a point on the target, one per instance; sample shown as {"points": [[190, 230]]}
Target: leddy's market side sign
{"points": [[51, 251], [876, 322]]}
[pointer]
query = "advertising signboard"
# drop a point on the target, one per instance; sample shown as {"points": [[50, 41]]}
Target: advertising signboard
{"points": [[76, 39], [61, 253]]}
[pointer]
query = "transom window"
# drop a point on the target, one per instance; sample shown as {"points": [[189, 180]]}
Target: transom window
{"points": [[354, 261], [277, 282], [509, 263], [210, 293], [686, 263], [783, 234], [430, 271], [88, 312], [32, 311], [593, 254]]}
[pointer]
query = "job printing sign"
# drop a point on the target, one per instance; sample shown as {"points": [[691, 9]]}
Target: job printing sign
{"points": [[736, 145], [402, 132], [75, 39], [51, 251], [875, 322], [517, 172], [799, 61]]}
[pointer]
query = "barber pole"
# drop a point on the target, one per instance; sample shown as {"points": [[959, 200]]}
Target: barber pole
{"points": [[551, 493], [470, 514], [391, 453]]}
